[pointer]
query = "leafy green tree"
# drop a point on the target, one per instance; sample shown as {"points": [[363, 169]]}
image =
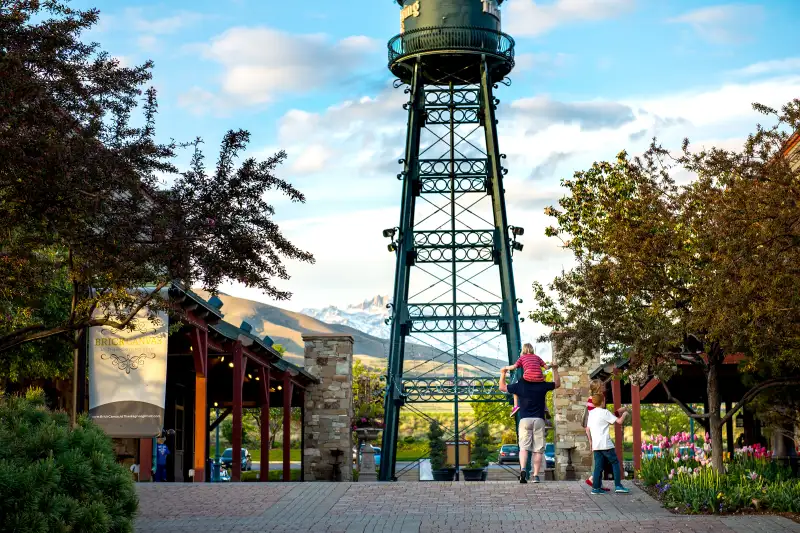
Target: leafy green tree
{"points": [[83, 198], [57, 478], [663, 419], [692, 272]]}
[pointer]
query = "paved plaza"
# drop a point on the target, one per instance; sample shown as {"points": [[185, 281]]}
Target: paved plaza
{"points": [[556, 507]]}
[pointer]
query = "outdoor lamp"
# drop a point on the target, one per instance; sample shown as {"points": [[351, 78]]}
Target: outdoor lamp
{"points": [[389, 233], [392, 247], [230, 364], [739, 421], [516, 230], [517, 246]]}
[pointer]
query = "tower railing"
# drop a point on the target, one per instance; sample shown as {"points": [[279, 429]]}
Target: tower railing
{"points": [[456, 38]]}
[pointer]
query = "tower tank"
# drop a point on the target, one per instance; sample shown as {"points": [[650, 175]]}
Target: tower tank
{"points": [[448, 34]]}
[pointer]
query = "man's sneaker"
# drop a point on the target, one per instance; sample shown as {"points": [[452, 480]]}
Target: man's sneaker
{"points": [[621, 490], [536, 479], [598, 491], [514, 410], [523, 476]]}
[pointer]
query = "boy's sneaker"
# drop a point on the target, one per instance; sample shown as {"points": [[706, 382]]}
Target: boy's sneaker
{"points": [[536, 479], [589, 482], [523, 476], [514, 410], [621, 490], [598, 491]]}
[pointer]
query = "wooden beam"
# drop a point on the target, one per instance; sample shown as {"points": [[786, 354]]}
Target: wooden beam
{"points": [[636, 415], [238, 365], [200, 427], [145, 459], [652, 384], [287, 427], [729, 428], [222, 416], [616, 393], [199, 341], [264, 377]]}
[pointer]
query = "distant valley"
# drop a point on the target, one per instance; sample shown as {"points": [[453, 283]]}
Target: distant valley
{"points": [[365, 322]]}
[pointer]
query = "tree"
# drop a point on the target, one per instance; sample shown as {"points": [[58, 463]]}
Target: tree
{"points": [[57, 478], [690, 272], [81, 196], [480, 451], [367, 396], [436, 445], [275, 422], [663, 419]]}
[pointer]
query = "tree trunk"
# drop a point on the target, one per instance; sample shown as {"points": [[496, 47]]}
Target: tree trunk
{"points": [[714, 405]]}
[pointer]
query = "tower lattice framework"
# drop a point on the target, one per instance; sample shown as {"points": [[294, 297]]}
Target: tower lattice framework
{"points": [[454, 319]]}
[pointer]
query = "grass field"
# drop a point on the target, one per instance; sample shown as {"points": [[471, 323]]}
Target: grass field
{"points": [[274, 475]]}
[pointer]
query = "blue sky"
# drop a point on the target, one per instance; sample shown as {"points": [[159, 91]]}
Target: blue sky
{"points": [[593, 77]]}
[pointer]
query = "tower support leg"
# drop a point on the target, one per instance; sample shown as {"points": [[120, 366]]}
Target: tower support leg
{"points": [[405, 246]]}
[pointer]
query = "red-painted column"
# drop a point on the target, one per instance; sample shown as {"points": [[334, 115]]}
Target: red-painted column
{"points": [[264, 375], [145, 459], [616, 393], [636, 415], [238, 368], [287, 428]]}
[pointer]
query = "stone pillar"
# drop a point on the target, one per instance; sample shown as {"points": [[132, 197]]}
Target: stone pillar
{"points": [[569, 402], [329, 407]]}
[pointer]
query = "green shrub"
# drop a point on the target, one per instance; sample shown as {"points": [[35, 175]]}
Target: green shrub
{"points": [[56, 479], [438, 450], [480, 451]]}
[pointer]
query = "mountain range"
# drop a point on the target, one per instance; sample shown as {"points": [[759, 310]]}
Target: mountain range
{"points": [[364, 321]]}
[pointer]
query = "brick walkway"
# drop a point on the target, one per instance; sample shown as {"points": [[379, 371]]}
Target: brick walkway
{"points": [[560, 507]]}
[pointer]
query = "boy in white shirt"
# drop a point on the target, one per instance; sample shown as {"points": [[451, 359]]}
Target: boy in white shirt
{"points": [[597, 425]]}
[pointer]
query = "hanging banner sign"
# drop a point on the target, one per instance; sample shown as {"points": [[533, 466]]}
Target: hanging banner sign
{"points": [[128, 377]]}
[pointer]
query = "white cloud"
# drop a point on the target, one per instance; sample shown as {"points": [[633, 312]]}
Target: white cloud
{"points": [[147, 43], [723, 24], [135, 18], [527, 18], [775, 66], [354, 194], [541, 63], [259, 63]]}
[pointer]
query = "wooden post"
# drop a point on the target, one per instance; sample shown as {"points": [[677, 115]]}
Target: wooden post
{"points": [[729, 428], [236, 445], [199, 340], [287, 427], [616, 393], [302, 394], [264, 375], [145, 459], [636, 414]]}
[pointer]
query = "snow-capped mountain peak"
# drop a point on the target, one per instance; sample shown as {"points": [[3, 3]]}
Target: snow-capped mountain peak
{"points": [[368, 316]]}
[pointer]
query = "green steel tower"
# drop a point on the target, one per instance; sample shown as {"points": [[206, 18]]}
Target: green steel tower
{"points": [[454, 287]]}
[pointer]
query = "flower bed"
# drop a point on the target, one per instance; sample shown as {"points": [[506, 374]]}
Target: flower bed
{"points": [[679, 474]]}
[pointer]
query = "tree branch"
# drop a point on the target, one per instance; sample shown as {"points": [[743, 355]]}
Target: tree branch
{"points": [[686, 409], [755, 391], [40, 331]]}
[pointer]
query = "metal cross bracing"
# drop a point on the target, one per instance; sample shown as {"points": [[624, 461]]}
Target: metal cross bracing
{"points": [[454, 288]]}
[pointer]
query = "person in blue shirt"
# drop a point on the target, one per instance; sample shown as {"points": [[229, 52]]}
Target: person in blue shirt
{"points": [[162, 451], [531, 431]]}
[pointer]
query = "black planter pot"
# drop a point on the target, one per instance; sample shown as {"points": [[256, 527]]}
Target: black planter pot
{"points": [[484, 474], [474, 474], [444, 474]]}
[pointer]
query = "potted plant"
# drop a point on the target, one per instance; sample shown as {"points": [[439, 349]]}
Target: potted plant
{"points": [[441, 471], [476, 470], [473, 472]]}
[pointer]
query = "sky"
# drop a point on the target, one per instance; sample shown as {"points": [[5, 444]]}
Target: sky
{"points": [[593, 78]]}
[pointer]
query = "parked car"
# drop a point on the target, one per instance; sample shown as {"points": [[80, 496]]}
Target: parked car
{"points": [[227, 459], [509, 453], [550, 455]]}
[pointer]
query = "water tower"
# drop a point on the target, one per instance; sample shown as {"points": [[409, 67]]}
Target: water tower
{"points": [[454, 303]]}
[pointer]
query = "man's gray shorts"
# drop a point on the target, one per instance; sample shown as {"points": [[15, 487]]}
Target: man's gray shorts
{"points": [[531, 434]]}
